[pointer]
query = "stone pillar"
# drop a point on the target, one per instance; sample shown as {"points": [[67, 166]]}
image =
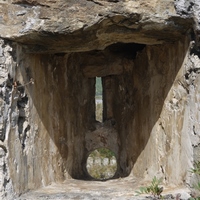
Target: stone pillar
{"points": [[108, 97]]}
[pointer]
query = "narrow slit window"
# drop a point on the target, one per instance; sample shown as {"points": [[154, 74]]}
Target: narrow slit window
{"points": [[99, 100]]}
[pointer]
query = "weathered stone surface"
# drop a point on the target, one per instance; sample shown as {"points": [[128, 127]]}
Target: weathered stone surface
{"points": [[140, 118], [100, 65], [6, 189], [87, 190], [147, 54], [52, 126], [63, 26], [190, 8]]}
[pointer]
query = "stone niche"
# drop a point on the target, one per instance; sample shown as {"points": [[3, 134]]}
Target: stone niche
{"points": [[147, 55], [147, 109]]}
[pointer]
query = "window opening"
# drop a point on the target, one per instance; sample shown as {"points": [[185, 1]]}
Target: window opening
{"points": [[99, 100], [101, 164]]}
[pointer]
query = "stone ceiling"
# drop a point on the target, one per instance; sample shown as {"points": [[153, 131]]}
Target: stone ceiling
{"points": [[49, 26]]}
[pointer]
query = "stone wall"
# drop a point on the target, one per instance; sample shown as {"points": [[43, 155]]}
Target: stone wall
{"points": [[162, 123], [49, 127], [174, 131], [8, 114], [147, 55]]}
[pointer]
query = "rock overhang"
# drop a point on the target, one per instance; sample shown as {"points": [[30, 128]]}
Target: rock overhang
{"points": [[73, 26]]}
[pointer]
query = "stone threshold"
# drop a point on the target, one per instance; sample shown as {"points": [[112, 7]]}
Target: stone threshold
{"points": [[122, 189]]}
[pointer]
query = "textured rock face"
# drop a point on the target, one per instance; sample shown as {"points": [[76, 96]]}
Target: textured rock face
{"points": [[61, 26], [147, 54], [8, 115]]}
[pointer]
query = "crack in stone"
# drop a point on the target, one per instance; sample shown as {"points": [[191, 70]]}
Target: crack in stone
{"points": [[29, 3], [96, 2]]}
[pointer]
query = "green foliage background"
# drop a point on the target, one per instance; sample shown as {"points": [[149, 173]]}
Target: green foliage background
{"points": [[102, 172], [102, 153], [98, 86]]}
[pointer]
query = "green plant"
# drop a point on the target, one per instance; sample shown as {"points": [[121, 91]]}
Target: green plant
{"points": [[102, 153], [153, 189], [194, 198], [196, 170]]}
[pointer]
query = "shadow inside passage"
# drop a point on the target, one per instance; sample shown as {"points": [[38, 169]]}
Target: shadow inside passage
{"points": [[64, 100]]}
